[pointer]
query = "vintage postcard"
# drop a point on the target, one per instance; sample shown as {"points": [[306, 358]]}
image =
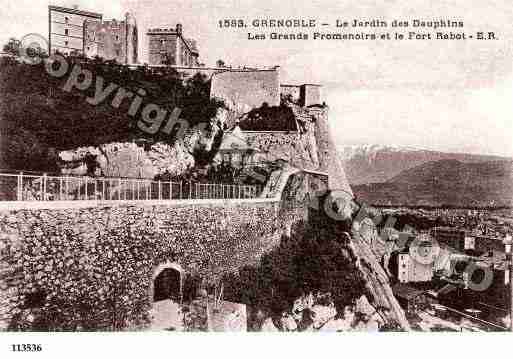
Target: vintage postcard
{"points": [[255, 166]]}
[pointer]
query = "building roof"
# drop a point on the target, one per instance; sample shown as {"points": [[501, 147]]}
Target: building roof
{"points": [[75, 11], [405, 291], [160, 31], [234, 140], [192, 45], [448, 229]]}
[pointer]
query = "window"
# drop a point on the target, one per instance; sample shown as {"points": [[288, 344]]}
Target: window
{"points": [[66, 43], [117, 38], [88, 48], [66, 19], [117, 52], [66, 32]]}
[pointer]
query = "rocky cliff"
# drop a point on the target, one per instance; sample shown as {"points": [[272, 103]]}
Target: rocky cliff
{"points": [[310, 147], [339, 226], [141, 159]]}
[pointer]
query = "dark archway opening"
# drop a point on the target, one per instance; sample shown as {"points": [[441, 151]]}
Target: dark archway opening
{"points": [[167, 285]]}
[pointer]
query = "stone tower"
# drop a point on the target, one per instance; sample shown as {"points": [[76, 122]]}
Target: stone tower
{"points": [[167, 46], [112, 40]]}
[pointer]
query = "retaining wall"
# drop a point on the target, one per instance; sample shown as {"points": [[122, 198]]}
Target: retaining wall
{"points": [[89, 265], [246, 90]]}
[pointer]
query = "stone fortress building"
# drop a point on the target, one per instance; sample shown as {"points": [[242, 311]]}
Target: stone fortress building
{"points": [[112, 40], [66, 28], [84, 32], [169, 47]]}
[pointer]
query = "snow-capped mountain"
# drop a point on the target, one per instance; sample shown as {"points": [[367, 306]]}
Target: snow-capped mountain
{"points": [[378, 163]]}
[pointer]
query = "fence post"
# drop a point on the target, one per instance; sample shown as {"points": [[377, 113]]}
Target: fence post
{"points": [[60, 188], [20, 187], [181, 190], [66, 182], [160, 191], [43, 187], [196, 188], [190, 190], [86, 194], [170, 190]]}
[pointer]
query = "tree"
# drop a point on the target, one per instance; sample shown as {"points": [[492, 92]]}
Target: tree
{"points": [[220, 63], [66, 120]]}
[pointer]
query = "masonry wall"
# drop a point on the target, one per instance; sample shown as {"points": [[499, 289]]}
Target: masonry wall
{"points": [[111, 40], [160, 44], [90, 268], [291, 91], [246, 90], [60, 21]]}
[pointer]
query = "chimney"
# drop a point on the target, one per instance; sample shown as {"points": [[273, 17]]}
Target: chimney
{"points": [[179, 29]]}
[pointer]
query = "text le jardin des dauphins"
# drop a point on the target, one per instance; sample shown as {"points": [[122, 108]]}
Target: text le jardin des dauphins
{"points": [[354, 29]]}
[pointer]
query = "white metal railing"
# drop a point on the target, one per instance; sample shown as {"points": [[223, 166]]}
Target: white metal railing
{"points": [[22, 187]]}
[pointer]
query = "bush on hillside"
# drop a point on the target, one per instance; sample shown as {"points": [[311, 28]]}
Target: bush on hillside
{"points": [[35, 106]]}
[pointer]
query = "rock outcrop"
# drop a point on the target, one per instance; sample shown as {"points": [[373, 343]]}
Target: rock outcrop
{"points": [[140, 159], [312, 313]]}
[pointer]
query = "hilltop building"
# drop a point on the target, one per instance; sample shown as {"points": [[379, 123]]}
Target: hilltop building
{"points": [[245, 89], [66, 28], [112, 40], [170, 47], [84, 32]]}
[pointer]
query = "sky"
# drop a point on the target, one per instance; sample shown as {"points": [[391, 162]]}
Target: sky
{"points": [[441, 95]]}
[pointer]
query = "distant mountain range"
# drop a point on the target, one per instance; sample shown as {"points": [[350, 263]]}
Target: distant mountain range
{"points": [[406, 176], [377, 164]]}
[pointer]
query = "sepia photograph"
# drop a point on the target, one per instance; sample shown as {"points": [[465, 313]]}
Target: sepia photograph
{"points": [[241, 166]]}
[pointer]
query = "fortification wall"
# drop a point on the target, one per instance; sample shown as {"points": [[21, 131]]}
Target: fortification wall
{"points": [[111, 40], [90, 267], [292, 91], [245, 90]]}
